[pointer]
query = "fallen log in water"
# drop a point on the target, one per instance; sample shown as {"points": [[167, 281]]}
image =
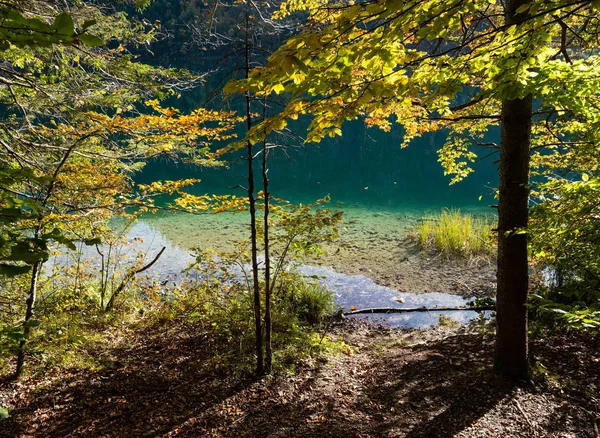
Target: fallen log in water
{"points": [[417, 309]]}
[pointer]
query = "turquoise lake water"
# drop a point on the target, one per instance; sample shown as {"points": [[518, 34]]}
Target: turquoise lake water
{"points": [[363, 168]]}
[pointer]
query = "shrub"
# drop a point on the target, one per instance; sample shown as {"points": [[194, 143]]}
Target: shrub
{"points": [[301, 310]]}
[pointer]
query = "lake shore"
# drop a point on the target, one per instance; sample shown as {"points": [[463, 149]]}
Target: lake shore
{"points": [[373, 243]]}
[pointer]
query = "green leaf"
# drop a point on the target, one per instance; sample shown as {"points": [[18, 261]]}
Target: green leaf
{"points": [[32, 323], [63, 23], [7, 270], [4, 414], [59, 237], [16, 334], [94, 241], [90, 40], [88, 23]]}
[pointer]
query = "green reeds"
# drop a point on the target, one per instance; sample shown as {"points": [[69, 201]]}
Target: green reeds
{"points": [[453, 234]]}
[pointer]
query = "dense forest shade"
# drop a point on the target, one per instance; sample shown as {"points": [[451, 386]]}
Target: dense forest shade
{"points": [[364, 168]]}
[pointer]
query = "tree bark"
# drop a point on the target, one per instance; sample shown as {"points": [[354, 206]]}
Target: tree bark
{"points": [[268, 325], [513, 212], [30, 304], [252, 202]]}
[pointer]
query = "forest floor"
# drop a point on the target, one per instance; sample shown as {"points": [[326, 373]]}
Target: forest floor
{"points": [[160, 381]]}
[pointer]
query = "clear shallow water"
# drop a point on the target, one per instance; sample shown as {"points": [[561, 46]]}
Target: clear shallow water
{"points": [[349, 290], [361, 292]]}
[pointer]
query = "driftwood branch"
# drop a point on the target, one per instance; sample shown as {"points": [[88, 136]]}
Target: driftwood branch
{"points": [[418, 309], [128, 278]]}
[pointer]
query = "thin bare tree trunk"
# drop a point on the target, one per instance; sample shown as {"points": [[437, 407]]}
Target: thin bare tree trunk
{"points": [[252, 202], [268, 325], [37, 266], [30, 303]]}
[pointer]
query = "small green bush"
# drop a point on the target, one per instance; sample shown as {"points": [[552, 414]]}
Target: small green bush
{"points": [[309, 302], [301, 310], [457, 235]]}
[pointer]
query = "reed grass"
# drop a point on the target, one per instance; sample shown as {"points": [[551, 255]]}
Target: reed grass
{"points": [[457, 235]]}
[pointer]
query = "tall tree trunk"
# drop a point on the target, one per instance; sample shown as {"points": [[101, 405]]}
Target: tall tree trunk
{"points": [[252, 202], [513, 207], [30, 303], [513, 211], [268, 326]]}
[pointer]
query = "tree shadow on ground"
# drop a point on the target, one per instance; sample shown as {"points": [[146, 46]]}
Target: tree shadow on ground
{"points": [[432, 390], [168, 385], [148, 389]]}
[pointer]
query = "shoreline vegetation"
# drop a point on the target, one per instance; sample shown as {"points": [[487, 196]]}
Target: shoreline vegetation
{"points": [[456, 235], [377, 244]]}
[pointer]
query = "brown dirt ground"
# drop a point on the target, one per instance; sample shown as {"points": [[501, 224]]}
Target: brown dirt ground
{"points": [[434, 383]]}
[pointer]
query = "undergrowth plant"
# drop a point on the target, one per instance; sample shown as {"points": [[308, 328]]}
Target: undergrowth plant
{"points": [[214, 294], [217, 297], [457, 235], [71, 314]]}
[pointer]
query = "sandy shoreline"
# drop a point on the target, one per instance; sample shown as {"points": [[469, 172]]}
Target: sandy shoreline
{"points": [[375, 244]]}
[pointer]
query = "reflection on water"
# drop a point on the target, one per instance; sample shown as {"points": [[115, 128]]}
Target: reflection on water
{"points": [[361, 292], [349, 290]]}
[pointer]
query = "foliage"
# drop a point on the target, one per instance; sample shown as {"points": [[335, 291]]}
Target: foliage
{"points": [[447, 321], [565, 239], [72, 324], [72, 132], [75, 130], [552, 308], [454, 234], [465, 67], [296, 231], [69, 311], [22, 31], [215, 297], [431, 66]]}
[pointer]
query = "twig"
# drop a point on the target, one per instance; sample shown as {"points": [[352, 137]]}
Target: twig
{"points": [[128, 277], [418, 309], [460, 283], [523, 413]]}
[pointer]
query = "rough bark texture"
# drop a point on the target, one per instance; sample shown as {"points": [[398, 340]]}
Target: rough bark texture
{"points": [[513, 277], [513, 211]]}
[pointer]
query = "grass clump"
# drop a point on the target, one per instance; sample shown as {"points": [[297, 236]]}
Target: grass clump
{"points": [[457, 235]]}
